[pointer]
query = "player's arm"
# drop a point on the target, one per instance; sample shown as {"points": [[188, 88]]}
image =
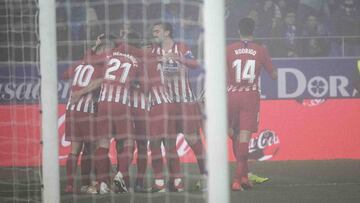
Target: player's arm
{"points": [[67, 74], [269, 66], [185, 57], [93, 85], [187, 60]]}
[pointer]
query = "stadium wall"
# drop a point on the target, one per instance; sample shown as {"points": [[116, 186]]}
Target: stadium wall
{"points": [[310, 113]]}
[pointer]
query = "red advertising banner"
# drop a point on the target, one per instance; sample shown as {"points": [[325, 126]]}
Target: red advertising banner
{"points": [[289, 130]]}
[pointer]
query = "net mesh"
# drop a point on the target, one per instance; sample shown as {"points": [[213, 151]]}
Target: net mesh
{"points": [[20, 176], [78, 24]]}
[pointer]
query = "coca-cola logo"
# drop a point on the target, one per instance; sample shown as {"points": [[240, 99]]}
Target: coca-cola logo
{"points": [[264, 146]]}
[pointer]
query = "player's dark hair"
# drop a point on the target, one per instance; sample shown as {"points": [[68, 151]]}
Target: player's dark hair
{"points": [[166, 26], [133, 39], [108, 36], [107, 39], [246, 26]]}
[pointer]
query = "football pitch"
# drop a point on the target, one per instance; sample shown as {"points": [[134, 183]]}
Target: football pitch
{"points": [[329, 181]]}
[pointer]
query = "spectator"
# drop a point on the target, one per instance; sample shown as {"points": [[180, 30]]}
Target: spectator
{"points": [[62, 33], [312, 45], [284, 32], [310, 7], [254, 15], [125, 29], [283, 7], [172, 16], [93, 29], [77, 17], [234, 10], [346, 21], [267, 11]]}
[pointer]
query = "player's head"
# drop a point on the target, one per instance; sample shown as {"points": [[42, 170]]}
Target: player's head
{"points": [[161, 31], [246, 27], [133, 39], [107, 41]]}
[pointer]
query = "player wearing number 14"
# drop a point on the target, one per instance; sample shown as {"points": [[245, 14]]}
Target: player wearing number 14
{"points": [[245, 60]]}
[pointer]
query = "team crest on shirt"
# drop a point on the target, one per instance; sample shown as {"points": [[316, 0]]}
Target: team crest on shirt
{"points": [[264, 146], [170, 67]]}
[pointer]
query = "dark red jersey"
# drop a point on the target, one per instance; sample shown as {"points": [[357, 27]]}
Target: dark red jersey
{"points": [[245, 59], [173, 76], [122, 76], [81, 74]]}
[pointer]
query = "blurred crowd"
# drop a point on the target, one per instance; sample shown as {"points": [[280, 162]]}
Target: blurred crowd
{"points": [[302, 28], [289, 28]]}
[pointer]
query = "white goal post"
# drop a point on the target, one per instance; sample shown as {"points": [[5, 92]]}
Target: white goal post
{"points": [[216, 125], [49, 101], [215, 91]]}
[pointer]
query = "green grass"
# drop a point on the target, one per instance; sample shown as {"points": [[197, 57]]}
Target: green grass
{"points": [[290, 181]]}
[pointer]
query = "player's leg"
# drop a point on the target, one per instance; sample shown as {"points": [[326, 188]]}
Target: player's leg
{"points": [[247, 123], [86, 165], [141, 144], [104, 128], [71, 166], [102, 165], [72, 134], [157, 165], [192, 122], [241, 180], [173, 163], [141, 163], [124, 136], [158, 130], [124, 149], [88, 130]]}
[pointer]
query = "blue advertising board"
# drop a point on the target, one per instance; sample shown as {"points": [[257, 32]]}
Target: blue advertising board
{"points": [[297, 79], [311, 79]]}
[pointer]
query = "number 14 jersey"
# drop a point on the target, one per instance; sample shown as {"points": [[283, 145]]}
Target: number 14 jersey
{"points": [[245, 59]]}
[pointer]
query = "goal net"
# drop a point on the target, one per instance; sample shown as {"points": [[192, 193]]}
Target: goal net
{"points": [[78, 25], [20, 152]]}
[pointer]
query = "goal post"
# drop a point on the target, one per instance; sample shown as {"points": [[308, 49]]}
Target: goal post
{"points": [[215, 93], [216, 125], [49, 101]]}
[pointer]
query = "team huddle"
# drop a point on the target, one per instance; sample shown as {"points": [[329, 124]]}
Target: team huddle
{"points": [[139, 95]]}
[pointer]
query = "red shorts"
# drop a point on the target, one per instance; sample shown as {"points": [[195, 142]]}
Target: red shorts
{"points": [[114, 120], [140, 118], [167, 120], [243, 110], [79, 126]]}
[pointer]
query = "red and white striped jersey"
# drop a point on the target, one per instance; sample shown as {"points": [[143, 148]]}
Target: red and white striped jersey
{"points": [[245, 59], [172, 84], [123, 78], [81, 74]]}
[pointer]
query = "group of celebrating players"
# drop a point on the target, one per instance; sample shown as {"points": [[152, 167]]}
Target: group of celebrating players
{"points": [[139, 95]]}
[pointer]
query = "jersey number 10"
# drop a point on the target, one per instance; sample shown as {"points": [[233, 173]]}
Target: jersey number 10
{"points": [[83, 75]]}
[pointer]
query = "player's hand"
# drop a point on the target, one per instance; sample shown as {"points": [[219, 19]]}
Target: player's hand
{"points": [[172, 56], [75, 96], [98, 41]]}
